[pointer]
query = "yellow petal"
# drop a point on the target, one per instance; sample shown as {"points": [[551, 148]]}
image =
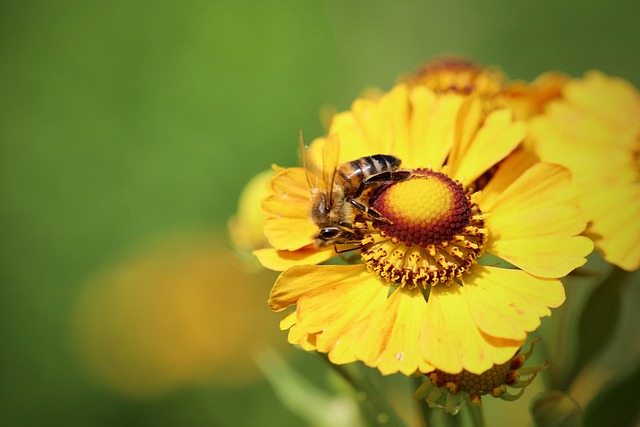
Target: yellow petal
{"points": [[289, 233], [373, 126], [469, 120], [291, 182], [288, 321], [304, 279], [393, 115], [330, 300], [450, 339], [611, 98], [509, 303], [389, 338], [510, 169], [498, 136], [534, 222], [287, 207], [544, 257], [354, 142], [288, 226], [332, 312], [615, 227], [541, 186], [280, 260], [298, 335], [433, 125]]}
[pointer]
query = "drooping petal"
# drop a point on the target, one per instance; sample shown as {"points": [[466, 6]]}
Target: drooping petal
{"points": [[509, 303], [450, 339], [544, 257], [297, 335], [288, 321], [389, 339], [280, 260], [331, 313], [299, 281], [329, 299]]}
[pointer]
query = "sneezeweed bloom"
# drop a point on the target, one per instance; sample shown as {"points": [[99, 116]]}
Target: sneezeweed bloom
{"points": [[593, 129], [452, 391], [423, 294], [245, 227], [528, 99], [462, 76]]}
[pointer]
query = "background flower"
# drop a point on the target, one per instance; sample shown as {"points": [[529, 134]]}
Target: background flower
{"points": [[594, 130]]}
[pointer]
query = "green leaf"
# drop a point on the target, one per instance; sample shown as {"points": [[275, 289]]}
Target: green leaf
{"points": [[617, 405], [598, 321]]}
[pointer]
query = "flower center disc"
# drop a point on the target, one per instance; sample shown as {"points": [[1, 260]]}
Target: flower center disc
{"points": [[430, 232], [428, 208]]}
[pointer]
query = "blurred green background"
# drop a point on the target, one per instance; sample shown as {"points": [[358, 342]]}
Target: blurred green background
{"points": [[124, 122]]}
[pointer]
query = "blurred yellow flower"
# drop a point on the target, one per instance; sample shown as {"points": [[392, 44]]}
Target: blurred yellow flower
{"points": [[245, 227], [593, 129], [529, 99], [161, 319], [422, 296]]}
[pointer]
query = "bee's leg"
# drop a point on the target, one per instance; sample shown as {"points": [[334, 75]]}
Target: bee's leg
{"points": [[349, 247], [369, 211], [346, 226], [381, 178]]}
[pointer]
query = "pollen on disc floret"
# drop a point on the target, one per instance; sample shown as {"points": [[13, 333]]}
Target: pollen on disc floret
{"points": [[431, 232]]}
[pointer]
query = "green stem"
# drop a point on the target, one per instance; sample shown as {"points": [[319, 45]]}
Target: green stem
{"points": [[424, 412], [374, 407], [476, 415]]}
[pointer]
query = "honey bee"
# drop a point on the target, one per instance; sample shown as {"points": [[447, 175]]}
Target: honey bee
{"points": [[337, 196]]}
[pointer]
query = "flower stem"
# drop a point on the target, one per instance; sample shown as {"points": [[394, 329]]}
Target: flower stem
{"points": [[476, 415], [375, 408], [424, 412]]}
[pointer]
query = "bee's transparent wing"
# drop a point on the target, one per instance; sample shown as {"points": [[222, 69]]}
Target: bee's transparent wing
{"points": [[330, 156], [309, 171]]}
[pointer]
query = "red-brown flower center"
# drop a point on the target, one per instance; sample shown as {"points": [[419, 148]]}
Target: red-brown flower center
{"points": [[430, 231], [428, 208]]}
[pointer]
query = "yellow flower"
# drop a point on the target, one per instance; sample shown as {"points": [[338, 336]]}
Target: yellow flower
{"points": [[452, 391], [422, 296], [159, 320], [594, 131], [530, 99], [245, 227]]}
